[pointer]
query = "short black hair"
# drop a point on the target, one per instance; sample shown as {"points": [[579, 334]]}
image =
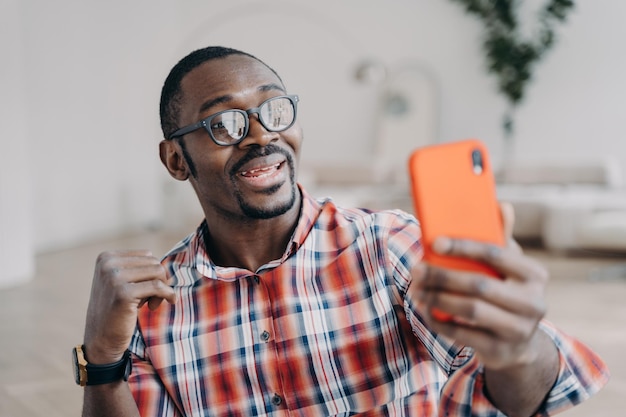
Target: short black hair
{"points": [[171, 93]]}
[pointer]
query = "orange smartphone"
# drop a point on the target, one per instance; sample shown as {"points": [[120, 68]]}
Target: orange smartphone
{"points": [[454, 195]]}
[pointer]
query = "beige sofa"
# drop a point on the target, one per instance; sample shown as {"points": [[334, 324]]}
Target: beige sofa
{"points": [[567, 205]]}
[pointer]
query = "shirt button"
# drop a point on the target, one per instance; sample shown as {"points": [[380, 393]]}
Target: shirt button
{"points": [[277, 399], [265, 336]]}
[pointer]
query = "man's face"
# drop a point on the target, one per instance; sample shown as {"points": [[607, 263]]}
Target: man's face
{"points": [[254, 179]]}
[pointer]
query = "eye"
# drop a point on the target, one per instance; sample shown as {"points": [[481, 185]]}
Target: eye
{"points": [[217, 126]]}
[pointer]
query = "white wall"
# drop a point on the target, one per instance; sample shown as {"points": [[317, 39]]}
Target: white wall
{"points": [[577, 106], [16, 215], [92, 73]]}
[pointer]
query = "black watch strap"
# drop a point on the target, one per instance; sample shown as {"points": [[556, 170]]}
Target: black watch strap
{"points": [[90, 374]]}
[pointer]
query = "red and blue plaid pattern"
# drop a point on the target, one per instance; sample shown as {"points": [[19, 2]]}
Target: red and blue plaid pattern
{"points": [[324, 331]]}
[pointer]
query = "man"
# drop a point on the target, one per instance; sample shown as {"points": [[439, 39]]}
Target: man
{"points": [[280, 304]]}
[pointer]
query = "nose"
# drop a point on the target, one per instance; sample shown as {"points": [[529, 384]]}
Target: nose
{"points": [[257, 134]]}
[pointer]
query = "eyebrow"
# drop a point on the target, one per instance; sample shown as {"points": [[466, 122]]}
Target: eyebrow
{"points": [[226, 98], [271, 87], [218, 100]]}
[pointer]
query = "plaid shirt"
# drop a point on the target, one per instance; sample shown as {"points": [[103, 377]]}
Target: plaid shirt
{"points": [[324, 331]]}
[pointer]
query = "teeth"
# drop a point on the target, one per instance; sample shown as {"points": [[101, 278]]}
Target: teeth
{"points": [[260, 170]]}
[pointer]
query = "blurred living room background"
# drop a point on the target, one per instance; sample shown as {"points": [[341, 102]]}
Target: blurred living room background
{"points": [[80, 172]]}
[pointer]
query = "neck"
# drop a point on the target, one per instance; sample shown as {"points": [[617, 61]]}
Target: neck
{"points": [[252, 243]]}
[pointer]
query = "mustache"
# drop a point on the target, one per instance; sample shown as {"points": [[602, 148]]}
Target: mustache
{"points": [[258, 151]]}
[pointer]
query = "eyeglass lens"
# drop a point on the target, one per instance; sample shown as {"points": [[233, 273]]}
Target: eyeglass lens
{"points": [[275, 114], [228, 126]]}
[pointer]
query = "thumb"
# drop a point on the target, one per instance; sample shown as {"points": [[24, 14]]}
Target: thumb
{"points": [[507, 215]]}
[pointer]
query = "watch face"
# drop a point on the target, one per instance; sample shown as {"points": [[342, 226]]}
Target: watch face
{"points": [[89, 374], [75, 366], [80, 366]]}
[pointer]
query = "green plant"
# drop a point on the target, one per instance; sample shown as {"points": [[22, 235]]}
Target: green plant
{"points": [[509, 54]]}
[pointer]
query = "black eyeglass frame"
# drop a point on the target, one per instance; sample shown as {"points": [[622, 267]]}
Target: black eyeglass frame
{"points": [[206, 122]]}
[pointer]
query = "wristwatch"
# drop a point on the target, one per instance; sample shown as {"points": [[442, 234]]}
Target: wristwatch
{"points": [[88, 374]]}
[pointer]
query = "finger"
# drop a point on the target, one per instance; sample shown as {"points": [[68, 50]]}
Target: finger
{"points": [[133, 269], [126, 258], [146, 290], [490, 318], [146, 273], [142, 265], [122, 257], [513, 296], [489, 350], [154, 302], [509, 261]]}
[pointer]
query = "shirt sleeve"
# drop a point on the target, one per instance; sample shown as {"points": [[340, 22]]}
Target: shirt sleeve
{"points": [[581, 374], [147, 388], [581, 371]]}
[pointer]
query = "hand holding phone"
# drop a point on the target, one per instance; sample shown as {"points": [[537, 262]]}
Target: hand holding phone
{"points": [[454, 195]]}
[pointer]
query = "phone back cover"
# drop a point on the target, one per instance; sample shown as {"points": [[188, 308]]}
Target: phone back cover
{"points": [[452, 200]]}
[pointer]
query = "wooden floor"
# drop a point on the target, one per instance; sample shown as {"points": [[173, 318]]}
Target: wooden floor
{"points": [[43, 319]]}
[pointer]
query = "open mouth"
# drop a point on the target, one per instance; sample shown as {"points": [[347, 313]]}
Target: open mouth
{"points": [[264, 178], [261, 172]]}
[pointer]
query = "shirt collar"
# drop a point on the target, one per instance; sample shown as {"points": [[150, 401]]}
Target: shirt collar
{"points": [[198, 258], [309, 213]]}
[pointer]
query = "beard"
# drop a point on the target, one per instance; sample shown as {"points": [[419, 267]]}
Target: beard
{"points": [[259, 213]]}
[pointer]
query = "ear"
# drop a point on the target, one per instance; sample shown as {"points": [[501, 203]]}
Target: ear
{"points": [[172, 157]]}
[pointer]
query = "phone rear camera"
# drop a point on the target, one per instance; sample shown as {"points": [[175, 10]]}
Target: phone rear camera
{"points": [[477, 161]]}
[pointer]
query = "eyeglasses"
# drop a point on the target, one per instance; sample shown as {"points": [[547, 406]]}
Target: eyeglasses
{"points": [[229, 127]]}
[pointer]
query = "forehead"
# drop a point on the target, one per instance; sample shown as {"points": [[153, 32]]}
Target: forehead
{"points": [[229, 76]]}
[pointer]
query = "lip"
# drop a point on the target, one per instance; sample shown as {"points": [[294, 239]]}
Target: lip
{"points": [[263, 172], [256, 172], [260, 164]]}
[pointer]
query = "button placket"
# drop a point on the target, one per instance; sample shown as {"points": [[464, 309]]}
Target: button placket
{"points": [[264, 328]]}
